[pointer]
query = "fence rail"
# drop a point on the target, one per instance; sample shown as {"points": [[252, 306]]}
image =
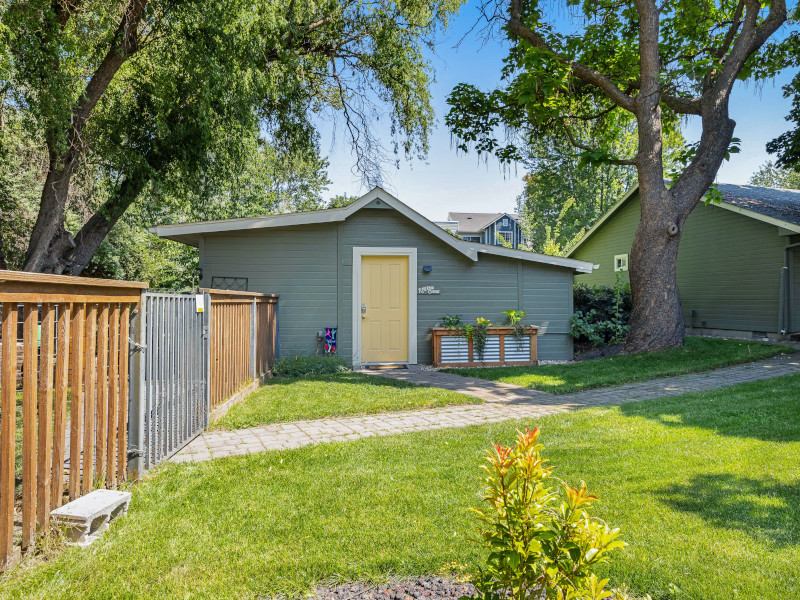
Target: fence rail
{"points": [[71, 400], [243, 341], [71, 391]]}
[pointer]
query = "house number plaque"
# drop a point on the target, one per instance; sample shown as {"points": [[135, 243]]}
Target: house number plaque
{"points": [[428, 289]]}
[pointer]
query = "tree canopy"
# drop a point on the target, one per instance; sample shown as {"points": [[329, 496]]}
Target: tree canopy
{"points": [[564, 195], [165, 98], [657, 62]]}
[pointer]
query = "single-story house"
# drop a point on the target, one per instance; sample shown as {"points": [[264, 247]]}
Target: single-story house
{"points": [[382, 274], [738, 263]]}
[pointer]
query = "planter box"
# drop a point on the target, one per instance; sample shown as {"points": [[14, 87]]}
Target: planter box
{"points": [[451, 348]]}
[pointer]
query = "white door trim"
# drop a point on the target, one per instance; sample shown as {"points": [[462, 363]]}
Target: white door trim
{"points": [[358, 252]]}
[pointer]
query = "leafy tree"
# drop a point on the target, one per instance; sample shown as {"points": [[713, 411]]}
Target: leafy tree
{"points": [[564, 195], [771, 175], [341, 201], [656, 61], [156, 92]]}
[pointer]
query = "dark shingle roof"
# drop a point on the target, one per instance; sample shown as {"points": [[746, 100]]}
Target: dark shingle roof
{"points": [[777, 203], [474, 222]]}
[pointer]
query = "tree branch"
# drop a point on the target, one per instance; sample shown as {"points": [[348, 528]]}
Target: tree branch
{"points": [[582, 72], [751, 38], [581, 146], [683, 106]]}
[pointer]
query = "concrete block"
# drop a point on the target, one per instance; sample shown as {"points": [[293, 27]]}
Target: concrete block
{"points": [[85, 519]]}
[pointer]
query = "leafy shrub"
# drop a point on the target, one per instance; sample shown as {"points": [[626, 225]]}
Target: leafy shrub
{"points": [[300, 366], [603, 298], [451, 321], [541, 540], [515, 321], [601, 313]]}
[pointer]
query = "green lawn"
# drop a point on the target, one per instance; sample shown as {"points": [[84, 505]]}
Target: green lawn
{"points": [[295, 398], [703, 486], [699, 354]]}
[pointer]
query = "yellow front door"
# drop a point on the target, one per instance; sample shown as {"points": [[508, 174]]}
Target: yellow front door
{"points": [[384, 309]]}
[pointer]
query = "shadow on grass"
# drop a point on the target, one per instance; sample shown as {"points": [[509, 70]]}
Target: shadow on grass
{"points": [[765, 509], [344, 377], [767, 410]]}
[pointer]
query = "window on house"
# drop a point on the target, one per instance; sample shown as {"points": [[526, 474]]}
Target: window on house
{"points": [[471, 238], [506, 235], [505, 221], [621, 262]]}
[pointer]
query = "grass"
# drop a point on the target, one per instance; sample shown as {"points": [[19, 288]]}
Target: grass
{"points": [[311, 397], [699, 354], [704, 487]]}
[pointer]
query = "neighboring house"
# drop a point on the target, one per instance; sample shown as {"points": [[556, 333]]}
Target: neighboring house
{"points": [[485, 228], [383, 275], [738, 263]]}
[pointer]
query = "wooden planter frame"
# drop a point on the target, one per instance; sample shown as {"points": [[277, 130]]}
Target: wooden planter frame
{"points": [[439, 332]]}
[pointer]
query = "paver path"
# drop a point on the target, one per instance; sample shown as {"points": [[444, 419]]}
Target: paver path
{"points": [[501, 402]]}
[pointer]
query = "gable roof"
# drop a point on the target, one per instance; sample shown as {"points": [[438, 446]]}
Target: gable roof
{"points": [[473, 221], [776, 206], [190, 233]]}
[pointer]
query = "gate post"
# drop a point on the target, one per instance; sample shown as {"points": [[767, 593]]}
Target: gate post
{"points": [[253, 327], [136, 404], [207, 355]]}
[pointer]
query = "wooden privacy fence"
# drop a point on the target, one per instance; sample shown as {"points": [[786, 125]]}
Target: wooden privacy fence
{"points": [[72, 388], [68, 411], [243, 329]]}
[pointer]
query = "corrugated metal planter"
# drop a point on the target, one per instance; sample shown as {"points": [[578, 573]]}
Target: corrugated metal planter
{"points": [[451, 348]]}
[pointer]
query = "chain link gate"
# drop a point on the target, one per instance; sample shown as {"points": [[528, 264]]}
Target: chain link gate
{"points": [[173, 373]]}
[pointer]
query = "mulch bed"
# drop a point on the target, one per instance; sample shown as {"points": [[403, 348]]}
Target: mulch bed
{"points": [[418, 588], [587, 352]]}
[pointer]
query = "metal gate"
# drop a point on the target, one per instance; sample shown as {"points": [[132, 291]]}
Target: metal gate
{"points": [[174, 372]]}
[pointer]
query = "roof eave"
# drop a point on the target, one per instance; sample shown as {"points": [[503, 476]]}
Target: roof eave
{"points": [[581, 266]]}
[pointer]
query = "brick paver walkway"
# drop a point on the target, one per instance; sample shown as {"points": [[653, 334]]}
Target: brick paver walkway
{"points": [[501, 402]]}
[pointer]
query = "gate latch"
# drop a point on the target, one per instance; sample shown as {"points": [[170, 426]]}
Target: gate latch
{"points": [[136, 346]]}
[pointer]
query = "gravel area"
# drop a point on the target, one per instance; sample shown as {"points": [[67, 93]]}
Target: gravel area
{"points": [[419, 588]]}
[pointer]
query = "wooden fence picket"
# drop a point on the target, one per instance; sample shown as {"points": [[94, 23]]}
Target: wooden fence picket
{"points": [[68, 377]]}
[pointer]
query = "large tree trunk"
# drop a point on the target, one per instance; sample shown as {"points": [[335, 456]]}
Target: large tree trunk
{"points": [[49, 240], [3, 264], [656, 319], [99, 225]]}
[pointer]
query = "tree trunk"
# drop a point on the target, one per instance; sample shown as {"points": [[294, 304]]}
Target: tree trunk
{"points": [[91, 235], [656, 319], [3, 264], [50, 241]]}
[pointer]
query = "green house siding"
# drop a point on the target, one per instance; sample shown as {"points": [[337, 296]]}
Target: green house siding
{"points": [[298, 263], [312, 270], [729, 266]]}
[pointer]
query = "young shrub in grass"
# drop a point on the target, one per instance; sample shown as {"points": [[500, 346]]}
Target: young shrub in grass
{"points": [[301, 366], [541, 540]]}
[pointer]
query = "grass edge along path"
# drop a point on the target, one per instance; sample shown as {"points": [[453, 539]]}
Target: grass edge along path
{"points": [[699, 355], [703, 487], [289, 399]]}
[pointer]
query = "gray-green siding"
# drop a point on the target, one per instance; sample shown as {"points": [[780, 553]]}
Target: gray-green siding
{"points": [[729, 266], [311, 268]]}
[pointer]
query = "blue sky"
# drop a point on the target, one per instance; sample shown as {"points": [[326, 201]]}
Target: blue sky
{"points": [[448, 180]]}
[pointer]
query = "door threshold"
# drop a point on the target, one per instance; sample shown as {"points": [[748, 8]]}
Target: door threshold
{"points": [[385, 366]]}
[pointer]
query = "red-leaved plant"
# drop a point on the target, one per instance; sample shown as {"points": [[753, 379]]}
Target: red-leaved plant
{"points": [[542, 542]]}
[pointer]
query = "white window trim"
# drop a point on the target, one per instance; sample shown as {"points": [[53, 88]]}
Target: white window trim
{"points": [[617, 257], [358, 253]]}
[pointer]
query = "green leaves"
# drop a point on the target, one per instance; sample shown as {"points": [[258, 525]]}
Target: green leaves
{"points": [[542, 543]]}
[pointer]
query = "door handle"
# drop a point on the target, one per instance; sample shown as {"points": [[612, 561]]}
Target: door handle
{"points": [[363, 311]]}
